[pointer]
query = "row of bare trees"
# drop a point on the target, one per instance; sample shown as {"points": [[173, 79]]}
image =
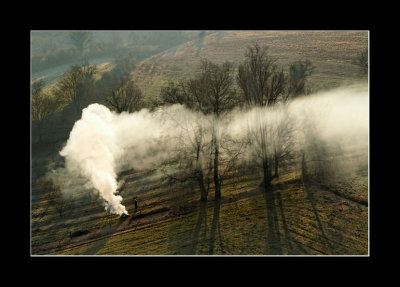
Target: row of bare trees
{"points": [[214, 92], [265, 85], [76, 86], [212, 155], [79, 87]]}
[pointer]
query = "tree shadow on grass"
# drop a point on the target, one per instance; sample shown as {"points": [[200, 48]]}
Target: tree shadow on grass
{"points": [[215, 229], [99, 244], [312, 201], [274, 244], [288, 238], [215, 226], [273, 241], [201, 218], [135, 218], [96, 246]]}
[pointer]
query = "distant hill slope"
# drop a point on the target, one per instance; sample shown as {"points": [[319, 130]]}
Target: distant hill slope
{"points": [[52, 75], [331, 52]]}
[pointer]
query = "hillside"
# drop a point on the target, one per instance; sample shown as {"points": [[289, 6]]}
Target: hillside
{"points": [[331, 52], [292, 219], [50, 76], [52, 49], [298, 215]]}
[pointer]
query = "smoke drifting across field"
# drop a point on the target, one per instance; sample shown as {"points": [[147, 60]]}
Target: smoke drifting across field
{"points": [[103, 143]]}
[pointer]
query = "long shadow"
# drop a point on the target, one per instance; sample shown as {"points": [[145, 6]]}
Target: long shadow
{"points": [[288, 238], [99, 244], [219, 234], [311, 198], [214, 227], [134, 216], [202, 217], [273, 242], [96, 247]]}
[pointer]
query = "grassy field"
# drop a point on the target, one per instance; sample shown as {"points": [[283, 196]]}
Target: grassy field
{"points": [[292, 219], [331, 52], [51, 75]]}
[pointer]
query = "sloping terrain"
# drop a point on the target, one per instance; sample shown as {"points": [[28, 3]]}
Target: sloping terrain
{"points": [[292, 219], [51, 75], [330, 51]]}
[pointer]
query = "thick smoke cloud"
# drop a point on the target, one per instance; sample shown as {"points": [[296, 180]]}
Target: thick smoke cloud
{"points": [[103, 143]]}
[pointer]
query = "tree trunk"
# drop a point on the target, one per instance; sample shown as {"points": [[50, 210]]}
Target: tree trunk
{"points": [[276, 162], [303, 167], [216, 175], [267, 176], [203, 191], [200, 176]]}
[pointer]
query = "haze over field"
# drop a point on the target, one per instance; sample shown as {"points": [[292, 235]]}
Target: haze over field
{"points": [[200, 142], [103, 143]]}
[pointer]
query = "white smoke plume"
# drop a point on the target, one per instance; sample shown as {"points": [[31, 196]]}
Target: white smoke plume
{"points": [[92, 149], [103, 143]]}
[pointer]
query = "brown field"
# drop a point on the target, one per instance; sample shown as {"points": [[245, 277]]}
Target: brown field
{"points": [[331, 52], [294, 218]]}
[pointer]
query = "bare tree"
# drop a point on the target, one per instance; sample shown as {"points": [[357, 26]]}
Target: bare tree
{"points": [[283, 140], [299, 71], [230, 159], [42, 105], [263, 84], [212, 90], [76, 86], [191, 159], [213, 93], [117, 78], [55, 196], [128, 98], [270, 137], [320, 158], [259, 136], [194, 158], [259, 78], [176, 94]]}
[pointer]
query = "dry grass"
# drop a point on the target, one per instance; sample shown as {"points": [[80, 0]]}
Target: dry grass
{"points": [[331, 52], [101, 69], [292, 219]]}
